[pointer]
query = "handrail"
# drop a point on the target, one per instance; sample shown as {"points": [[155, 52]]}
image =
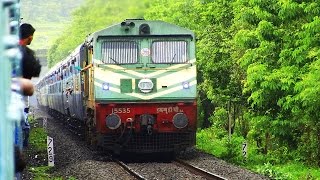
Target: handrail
{"points": [[87, 67]]}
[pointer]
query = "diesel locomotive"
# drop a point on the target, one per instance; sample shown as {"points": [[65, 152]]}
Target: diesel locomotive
{"points": [[132, 85]]}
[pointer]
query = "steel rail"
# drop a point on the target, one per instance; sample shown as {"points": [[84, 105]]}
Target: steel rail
{"points": [[129, 170], [197, 170]]}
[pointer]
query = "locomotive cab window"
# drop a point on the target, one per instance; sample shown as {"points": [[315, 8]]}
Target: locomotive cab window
{"points": [[169, 52], [119, 52]]}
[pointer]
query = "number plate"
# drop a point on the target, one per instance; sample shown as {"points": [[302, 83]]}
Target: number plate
{"points": [[121, 110]]}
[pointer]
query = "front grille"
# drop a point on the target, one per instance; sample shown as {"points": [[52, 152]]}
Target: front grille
{"points": [[161, 142]]}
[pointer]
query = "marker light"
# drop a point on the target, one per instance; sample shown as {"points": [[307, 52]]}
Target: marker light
{"points": [[105, 86], [185, 85]]}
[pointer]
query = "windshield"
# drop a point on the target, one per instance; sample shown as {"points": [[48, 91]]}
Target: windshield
{"points": [[169, 52], [119, 52]]}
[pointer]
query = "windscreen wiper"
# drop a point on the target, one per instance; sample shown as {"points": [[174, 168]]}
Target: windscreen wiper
{"points": [[173, 58], [114, 60]]}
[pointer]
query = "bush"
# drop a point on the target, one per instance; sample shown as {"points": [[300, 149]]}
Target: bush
{"points": [[208, 142], [234, 149], [38, 139], [270, 171], [230, 150]]}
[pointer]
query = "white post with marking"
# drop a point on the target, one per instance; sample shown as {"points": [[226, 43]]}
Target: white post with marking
{"points": [[50, 151], [244, 149]]}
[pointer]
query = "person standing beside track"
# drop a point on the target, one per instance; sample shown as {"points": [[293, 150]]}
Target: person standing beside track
{"points": [[30, 65], [30, 68]]}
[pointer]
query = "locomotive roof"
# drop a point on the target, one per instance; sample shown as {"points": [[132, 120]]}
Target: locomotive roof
{"points": [[157, 28]]}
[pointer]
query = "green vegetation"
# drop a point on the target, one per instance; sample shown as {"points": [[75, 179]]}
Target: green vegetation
{"points": [[38, 139], [49, 19], [43, 173], [258, 74], [273, 165], [46, 33], [38, 146], [40, 172]]}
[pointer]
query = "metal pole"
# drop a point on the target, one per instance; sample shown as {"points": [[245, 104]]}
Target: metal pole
{"points": [[6, 137], [8, 56]]}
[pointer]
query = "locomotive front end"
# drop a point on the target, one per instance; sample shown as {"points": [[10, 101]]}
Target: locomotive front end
{"points": [[144, 87], [153, 127]]}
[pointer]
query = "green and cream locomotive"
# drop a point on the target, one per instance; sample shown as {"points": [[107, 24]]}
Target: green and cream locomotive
{"points": [[132, 85]]}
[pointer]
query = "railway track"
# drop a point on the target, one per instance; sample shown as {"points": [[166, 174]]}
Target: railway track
{"points": [[140, 167], [197, 170], [194, 170], [75, 129], [129, 170]]}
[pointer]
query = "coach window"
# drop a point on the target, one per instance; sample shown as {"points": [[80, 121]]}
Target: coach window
{"points": [[71, 69], [169, 52], [76, 62], [119, 52], [56, 80], [64, 73]]}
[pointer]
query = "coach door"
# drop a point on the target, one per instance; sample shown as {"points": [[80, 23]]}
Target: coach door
{"points": [[87, 75], [90, 78]]}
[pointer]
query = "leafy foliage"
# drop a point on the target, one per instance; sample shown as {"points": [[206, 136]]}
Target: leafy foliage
{"points": [[280, 60], [270, 171], [38, 139]]}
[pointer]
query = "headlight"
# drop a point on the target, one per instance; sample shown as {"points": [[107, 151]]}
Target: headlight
{"points": [[113, 121], [185, 85], [145, 85], [180, 120]]}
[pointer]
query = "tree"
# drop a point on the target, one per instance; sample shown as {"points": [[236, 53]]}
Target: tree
{"points": [[280, 44]]}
